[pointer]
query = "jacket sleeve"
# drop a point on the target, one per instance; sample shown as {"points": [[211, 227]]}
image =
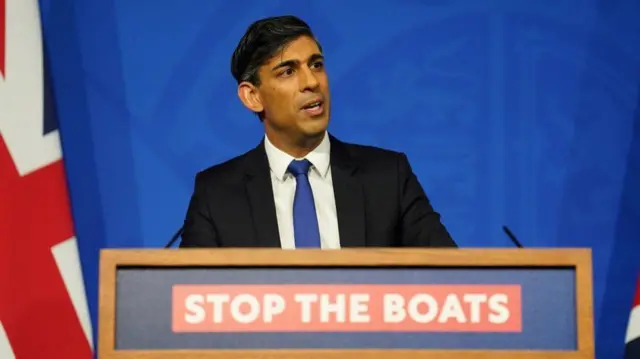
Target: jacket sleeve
{"points": [[199, 229], [420, 224]]}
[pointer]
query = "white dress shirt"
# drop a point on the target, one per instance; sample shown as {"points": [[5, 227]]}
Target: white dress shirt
{"points": [[284, 188]]}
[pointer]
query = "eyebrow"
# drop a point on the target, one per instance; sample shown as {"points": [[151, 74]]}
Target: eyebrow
{"points": [[292, 63]]}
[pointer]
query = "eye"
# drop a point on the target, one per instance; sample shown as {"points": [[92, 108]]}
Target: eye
{"points": [[287, 72], [318, 64]]}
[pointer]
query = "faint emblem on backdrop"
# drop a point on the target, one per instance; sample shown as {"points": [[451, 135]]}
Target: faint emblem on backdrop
{"points": [[498, 110]]}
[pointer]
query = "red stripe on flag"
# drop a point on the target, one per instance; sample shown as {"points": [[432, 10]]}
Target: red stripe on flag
{"points": [[35, 307]]}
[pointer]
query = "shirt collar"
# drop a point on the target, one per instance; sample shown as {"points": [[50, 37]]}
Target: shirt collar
{"points": [[279, 161]]}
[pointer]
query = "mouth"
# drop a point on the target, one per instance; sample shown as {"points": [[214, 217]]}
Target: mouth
{"points": [[314, 108]]}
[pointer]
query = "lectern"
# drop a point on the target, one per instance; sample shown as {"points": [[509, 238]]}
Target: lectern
{"points": [[348, 303]]}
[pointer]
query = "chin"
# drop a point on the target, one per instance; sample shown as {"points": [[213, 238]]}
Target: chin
{"points": [[313, 126], [314, 129]]}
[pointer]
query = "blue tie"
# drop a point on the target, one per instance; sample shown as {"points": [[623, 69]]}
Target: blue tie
{"points": [[305, 221]]}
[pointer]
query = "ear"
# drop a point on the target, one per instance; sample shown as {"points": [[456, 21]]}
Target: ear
{"points": [[250, 96]]}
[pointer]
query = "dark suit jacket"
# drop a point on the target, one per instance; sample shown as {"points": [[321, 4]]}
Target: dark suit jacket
{"points": [[379, 202]]}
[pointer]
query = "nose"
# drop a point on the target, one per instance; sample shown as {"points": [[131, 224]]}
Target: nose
{"points": [[308, 80]]}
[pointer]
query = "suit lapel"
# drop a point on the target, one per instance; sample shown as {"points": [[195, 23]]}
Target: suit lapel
{"points": [[260, 194], [349, 196]]}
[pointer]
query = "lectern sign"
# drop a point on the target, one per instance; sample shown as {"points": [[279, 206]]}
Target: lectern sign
{"points": [[346, 308], [352, 303]]}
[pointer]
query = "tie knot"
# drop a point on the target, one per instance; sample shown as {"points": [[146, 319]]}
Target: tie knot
{"points": [[299, 167]]}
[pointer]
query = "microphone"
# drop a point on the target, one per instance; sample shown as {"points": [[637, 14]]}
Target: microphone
{"points": [[512, 236], [175, 237]]}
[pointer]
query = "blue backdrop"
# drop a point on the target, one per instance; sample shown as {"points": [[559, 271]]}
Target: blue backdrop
{"points": [[525, 113]]}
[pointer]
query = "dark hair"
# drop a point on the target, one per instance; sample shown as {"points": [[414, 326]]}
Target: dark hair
{"points": [[262, 40]]}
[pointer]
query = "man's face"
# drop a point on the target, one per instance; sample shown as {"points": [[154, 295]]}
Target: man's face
{"points": [[294, 92]]}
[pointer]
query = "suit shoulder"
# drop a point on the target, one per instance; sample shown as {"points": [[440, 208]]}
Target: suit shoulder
{"points": [[228, 170]]}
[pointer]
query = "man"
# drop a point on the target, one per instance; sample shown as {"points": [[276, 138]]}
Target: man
{"points": [[301, 187]]}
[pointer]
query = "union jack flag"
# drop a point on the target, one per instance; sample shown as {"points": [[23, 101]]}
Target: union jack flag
{"points": [[43, 309]]}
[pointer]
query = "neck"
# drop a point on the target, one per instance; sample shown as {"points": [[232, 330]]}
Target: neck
{"points": [[298, 147]]}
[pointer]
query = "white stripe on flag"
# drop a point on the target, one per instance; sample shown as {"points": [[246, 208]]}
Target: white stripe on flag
{"points": [[21, 91], [5, 347], [633, 329], [68, 261]]}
